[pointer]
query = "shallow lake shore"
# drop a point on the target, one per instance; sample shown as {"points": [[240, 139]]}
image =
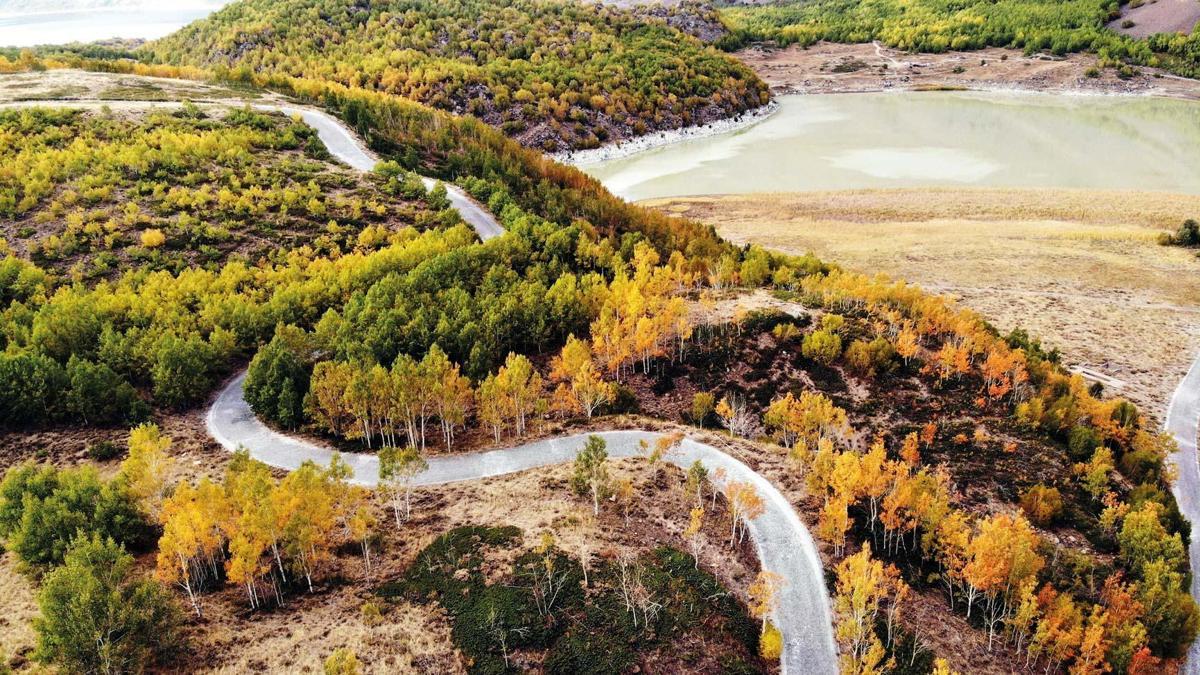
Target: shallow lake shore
{"points": [[908, 139], [833, 68], [658, 139]]}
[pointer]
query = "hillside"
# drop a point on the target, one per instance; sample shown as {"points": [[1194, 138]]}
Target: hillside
{"points": [[554, 75], [263, 411], [934, 26], [1021, 513], [189, 187]]}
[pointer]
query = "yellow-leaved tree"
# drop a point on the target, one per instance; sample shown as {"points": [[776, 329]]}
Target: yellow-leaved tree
{"points": [[146, 468]]}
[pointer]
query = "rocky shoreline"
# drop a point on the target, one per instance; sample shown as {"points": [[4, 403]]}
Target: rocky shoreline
{"points": [[658, 139]]}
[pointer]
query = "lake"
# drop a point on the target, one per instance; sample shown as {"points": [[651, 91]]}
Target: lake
{"points": [[88, 25], [917, 139]]}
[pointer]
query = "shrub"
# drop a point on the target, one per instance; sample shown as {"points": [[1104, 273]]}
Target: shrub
{"points": [[1041, 504], [103, 451], [869, 358], [833, 323], [153, 238], [770, 645], [785, 331], [342, 661], [97, 616], [624, 401], [370, 613], [822, 346], [1188, 235]]}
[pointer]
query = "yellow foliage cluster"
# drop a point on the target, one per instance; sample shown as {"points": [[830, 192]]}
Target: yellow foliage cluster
{"points": [[259, 530]]}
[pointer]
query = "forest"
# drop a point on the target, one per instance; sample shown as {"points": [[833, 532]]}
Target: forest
{"points": [[906, 424], [938, 26], [88, 193], [555, 75]]}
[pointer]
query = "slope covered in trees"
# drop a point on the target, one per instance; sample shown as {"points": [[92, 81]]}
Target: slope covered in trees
{"points": [[955, 469], [938, 26], [588, 307], [556, 75], [91, 193], [168, 337]]}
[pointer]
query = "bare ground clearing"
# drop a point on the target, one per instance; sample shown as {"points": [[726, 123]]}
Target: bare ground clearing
{"points": [[1158, 16], [91, 86], [1080, 269], [831, 68]]}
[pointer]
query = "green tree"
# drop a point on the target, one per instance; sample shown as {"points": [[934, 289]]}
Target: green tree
{"points": [[180, 371], [42, 509], [98, 395], [398, 467], [30, 386], [703, 405], [98, 617], [1171, 617], [278, 377], [1143, 539], [591, 471]]}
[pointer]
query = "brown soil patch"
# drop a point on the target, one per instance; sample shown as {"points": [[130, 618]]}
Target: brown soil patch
{"points": [[85, 85], [16, 613], [830, 68], [1079, 269], [1158, 16]]}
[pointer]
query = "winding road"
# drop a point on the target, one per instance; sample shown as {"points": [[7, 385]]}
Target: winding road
{"points": [[783, 542], [784, 545], [1183, 418]]}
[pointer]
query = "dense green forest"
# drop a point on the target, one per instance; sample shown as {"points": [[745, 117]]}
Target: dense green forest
{"points": [[941, 25], [167, 338], [556, 75], [90, 193]]}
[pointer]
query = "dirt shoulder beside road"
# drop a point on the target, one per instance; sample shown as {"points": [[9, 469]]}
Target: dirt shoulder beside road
{"points": [[829, 68]]}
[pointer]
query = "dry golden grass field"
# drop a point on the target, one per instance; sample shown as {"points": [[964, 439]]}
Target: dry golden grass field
{"points": [[1078, 268]]}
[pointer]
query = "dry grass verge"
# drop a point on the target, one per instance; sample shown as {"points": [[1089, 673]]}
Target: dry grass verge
{"points": [[1080, 269]]}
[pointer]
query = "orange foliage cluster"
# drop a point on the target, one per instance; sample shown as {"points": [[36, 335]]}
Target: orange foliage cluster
{"points": [[992, 564]]}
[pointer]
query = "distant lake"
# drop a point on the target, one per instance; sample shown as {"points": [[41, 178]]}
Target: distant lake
{"points": [[89, 25], [919, 139]]}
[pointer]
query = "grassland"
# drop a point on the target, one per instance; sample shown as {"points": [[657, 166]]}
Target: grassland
{"points": [[408, 636], [1080, 269]]}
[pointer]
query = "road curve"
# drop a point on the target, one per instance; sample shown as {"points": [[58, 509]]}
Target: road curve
{"points": [[341, 142], [1183, 418], [784, 544]]}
